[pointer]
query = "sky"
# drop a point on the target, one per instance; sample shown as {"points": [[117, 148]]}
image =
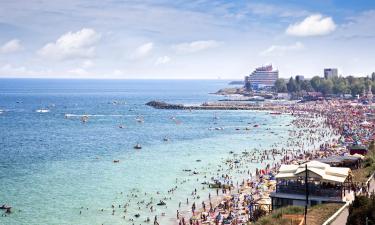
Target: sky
{"points": [[173, 39]]}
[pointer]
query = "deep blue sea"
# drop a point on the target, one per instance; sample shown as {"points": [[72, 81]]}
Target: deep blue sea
{"points": [[54, 169]]}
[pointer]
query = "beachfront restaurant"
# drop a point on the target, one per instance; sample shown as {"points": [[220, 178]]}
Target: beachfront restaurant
{"points": [[325, 184], [350, 161]]}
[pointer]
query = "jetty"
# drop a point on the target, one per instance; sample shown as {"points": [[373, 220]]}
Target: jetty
{"points": [[215, 106]]}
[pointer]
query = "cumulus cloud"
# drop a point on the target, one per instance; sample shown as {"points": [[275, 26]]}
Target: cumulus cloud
{"points": [[80, 44], [143, 50], [278, 50], [195, 46], [162, 60], [313, 25], [11, 46]]}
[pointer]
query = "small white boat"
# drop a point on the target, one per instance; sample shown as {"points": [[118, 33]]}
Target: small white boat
{"points": [[137, 146], [42, 110]]}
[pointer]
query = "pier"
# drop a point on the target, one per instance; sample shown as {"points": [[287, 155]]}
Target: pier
{"points": [[215, 106]]}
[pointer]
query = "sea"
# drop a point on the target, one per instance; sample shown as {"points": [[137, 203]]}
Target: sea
{"points": [[57, 169]]}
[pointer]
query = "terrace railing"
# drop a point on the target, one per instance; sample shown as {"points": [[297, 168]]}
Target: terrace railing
{"points": [[316, 190]]}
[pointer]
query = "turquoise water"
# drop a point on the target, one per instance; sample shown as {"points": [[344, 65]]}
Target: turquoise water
{"points": [[53, 167]]}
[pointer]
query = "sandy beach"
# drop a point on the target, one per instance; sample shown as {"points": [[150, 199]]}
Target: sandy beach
{"points": [[316, 124]]}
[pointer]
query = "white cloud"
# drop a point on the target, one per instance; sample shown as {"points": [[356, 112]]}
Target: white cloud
{"points": [[117, 73], [162, 60], [313, 25], [264, 9], [359, 27], [195, 46], [80, 44], [143, 50], [278, 50], [87, 63], [11, 46], [79, 72]]}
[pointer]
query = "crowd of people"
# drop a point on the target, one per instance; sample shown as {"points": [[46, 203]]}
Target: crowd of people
{"points": [[319, 130]]}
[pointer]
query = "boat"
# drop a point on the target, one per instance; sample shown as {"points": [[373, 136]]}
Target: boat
{"points": [[256, 99], [42, 110], [137, 146], [5, 207], [165, 139], [116, 161], [161, 203]]}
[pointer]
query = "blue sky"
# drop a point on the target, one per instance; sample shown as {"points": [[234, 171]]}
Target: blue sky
{"points": [[184, 39]]}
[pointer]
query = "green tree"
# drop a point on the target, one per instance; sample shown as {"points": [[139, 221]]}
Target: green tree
{"points": [[306, 86], [357, 87], [315, 82], [292, 85], [361, 209], [326, 87], [280, 85], [340, 86]]}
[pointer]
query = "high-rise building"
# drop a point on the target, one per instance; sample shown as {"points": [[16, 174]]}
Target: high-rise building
{"points": [[300, 78], [262, 78], [330, 73]]}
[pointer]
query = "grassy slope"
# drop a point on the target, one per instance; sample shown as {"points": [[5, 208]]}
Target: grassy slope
{"points": [[361, 175], [316, 215]]}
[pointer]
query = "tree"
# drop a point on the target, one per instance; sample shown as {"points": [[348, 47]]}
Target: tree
{"points": [[292, 85], [280, 85], [306, 86], [326, 87], [340, 86], [315, 82], [362, 208], [357, 88]]}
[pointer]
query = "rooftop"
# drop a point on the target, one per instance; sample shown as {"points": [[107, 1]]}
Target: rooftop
{"points": [[316, 169]]}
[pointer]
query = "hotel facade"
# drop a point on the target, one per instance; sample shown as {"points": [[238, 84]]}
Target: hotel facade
{"points": [[262, 78]]}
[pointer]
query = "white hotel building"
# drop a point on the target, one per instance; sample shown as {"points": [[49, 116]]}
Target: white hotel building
{"points": [[262, 78]]}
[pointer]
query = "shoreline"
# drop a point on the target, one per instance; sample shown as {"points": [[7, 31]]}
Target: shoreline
{"points": [[330, 147], [250, 187]]}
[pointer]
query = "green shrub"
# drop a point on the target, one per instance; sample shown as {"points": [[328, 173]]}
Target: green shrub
{"points": [[362, 208]]}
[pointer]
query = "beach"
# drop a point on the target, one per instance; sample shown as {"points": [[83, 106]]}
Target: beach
{"points": [[331, 124], [75, 172]]}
